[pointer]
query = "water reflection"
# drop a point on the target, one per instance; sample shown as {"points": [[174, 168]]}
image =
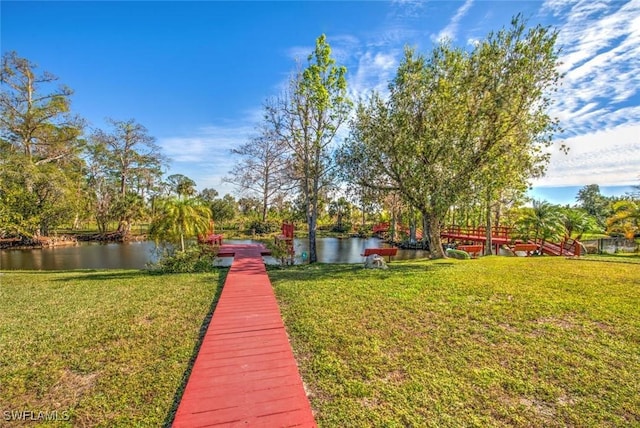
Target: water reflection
{"points": [[136, 255], [129, 255]]}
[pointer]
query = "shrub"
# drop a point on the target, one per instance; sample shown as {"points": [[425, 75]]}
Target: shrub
{"points": [[262, 227], [197, 258], [343, 228], [458, 254]]}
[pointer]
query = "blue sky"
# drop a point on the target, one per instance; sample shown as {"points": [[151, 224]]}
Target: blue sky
{"points": [[196, 73]]}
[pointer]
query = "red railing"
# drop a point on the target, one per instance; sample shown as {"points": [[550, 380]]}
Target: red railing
{"points": [[501, 232], [380, 227]]}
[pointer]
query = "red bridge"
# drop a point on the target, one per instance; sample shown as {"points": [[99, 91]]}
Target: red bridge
{"points": [[500, 235]]}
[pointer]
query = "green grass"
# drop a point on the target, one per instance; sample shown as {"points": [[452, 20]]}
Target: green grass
{"points": [[613, 258], [106, 348], [498, 341]]}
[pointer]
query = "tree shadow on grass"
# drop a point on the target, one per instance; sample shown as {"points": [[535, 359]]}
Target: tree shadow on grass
{"points": [[306, 273], [177, 397], [101, 275]]}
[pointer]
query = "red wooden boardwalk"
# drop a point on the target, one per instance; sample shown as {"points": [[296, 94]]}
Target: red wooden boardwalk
{"points": [[245, 373]]}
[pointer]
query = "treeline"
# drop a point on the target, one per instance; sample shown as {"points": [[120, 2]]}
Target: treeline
{"points": [[456, 139], [54, 173]]}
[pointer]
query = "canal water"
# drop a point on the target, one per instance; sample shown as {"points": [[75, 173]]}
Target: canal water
{"points": [[136, 255]]}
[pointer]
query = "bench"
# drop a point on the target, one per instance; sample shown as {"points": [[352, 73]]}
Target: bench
{"points": [[211, 239], [527, 248], [473, 250], [389, 252]]}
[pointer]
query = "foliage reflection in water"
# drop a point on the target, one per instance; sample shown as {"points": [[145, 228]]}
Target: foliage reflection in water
{"points": [[136, 255]]}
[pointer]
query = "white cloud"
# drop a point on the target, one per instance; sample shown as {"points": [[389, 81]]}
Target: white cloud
{"points": [[407, 8], [449, 32], [610, 157], [600, 44], [205, 155], [299, 53], [374, 71]]}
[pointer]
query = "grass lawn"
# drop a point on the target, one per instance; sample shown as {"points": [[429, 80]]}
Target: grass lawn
{"points": [[103, 348], [619, 257], [498, 341]]}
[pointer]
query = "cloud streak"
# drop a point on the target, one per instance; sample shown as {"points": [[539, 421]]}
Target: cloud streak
{"points": [[451, 30], [600, 58], [590, 161], [598, 102]]}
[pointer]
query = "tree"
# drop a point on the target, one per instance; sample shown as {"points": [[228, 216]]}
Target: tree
{"points": [[261, 171], [542, 222], [449, 118], [310, 115], [208, 194], [181, 185], [122, 159], [177, 218], [340, 209], [625, 218], [577, 222], [364, 195], [223, 209], [37, 125], [594, 203], [40, 181]]}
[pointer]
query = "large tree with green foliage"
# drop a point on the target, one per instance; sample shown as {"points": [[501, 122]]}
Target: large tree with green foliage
{"points": [[455, 118], [41, 182], [125, 161], [594, 203], [307, 120], [181, 185]]}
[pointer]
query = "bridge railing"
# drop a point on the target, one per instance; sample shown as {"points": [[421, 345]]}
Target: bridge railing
{"points": [[503, 232]]}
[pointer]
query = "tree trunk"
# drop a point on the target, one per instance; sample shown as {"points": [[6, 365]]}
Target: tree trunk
{"points": [[426, 241], [124, 227], [488, 247], [364, 216], [265, 203], [392, 226], [412, 227], [312, 220], [435, 241]]}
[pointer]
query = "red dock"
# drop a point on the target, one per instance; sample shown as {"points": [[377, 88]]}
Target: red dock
{"points": [[245, 373]]}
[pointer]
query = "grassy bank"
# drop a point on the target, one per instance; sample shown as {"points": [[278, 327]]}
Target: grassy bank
{"points": [[104, 348], [497, 341]]}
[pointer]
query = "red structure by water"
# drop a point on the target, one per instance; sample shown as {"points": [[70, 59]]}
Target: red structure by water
{"points": [[285, 240], [245, 373], [500, 235]]}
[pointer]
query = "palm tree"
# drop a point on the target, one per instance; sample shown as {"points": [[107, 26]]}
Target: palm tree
{"points": [[578, 221], [178, 217], [544, 221], [626, 216]]}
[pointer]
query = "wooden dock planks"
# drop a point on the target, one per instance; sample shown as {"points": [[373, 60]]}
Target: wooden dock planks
{"points": [[245, 373]]}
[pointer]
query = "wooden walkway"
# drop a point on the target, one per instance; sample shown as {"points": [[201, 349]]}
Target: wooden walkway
{"points": [[245, 373]]}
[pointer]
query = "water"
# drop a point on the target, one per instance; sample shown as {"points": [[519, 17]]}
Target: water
{"points": [[91, 255], [136, 255]]}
